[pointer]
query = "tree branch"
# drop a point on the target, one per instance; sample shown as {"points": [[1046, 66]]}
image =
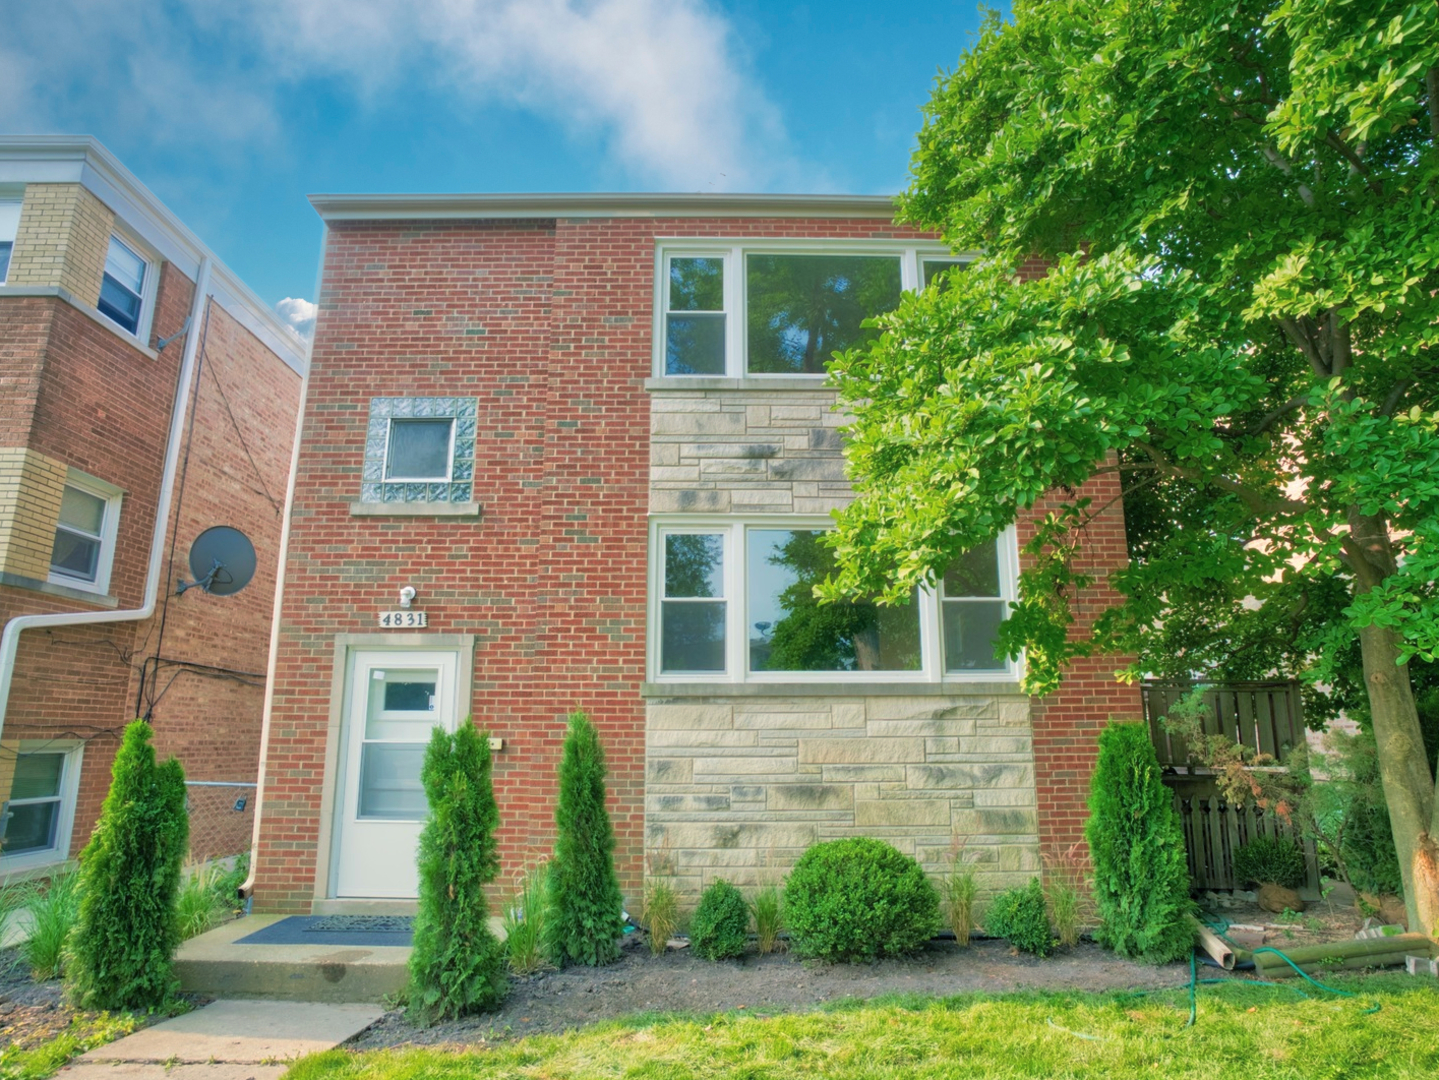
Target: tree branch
{"points": [[1280, 162], [1395, 396], [1356, 163], [1266, 421], [1300, 338], [1431, 84]]}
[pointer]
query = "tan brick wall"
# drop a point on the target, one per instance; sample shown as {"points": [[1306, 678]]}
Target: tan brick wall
{"points": [[739, 787], [31, 486], [63, 238]]}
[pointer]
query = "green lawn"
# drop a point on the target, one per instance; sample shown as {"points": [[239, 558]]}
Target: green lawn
{"points": [[1241, 1032]]}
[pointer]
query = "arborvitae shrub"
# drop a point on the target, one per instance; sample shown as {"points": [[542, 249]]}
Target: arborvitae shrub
{"points": [[1141, 879], [457, 966], [1270, 860], [857, 899], [127, 932], [1020, 918], [584, 921], [720, 926]]}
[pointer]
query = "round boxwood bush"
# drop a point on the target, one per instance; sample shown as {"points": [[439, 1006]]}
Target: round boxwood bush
{"points": [[858, 899], [720, 926], [1270, 860], [1019, 917]]}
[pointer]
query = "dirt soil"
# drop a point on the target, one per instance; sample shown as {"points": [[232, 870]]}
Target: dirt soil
{"points": [[1320, 923], [30, 1013], [678, 981]]}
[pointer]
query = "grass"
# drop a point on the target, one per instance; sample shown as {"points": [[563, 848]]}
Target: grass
{"points": [[1251, 1031], [198, 904], [84, 1033], [51, 909]]}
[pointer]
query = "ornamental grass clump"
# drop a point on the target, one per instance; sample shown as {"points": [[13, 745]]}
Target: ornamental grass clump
{"points": [[858, 899], [457, 966], [124, 941], [958, 893], [52, 909], [719, 928], [524, 920], [767, 907], [584, 920], [1019, 917], [1136, 844]]}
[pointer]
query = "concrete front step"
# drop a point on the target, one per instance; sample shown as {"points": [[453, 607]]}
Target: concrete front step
{"points": [[214, 964]]}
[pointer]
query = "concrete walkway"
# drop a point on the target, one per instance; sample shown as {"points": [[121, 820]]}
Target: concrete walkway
{"points": [[226, 1040]]}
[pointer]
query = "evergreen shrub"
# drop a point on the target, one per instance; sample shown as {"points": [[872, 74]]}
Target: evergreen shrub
{"points": [[1270, 860], [1136, 845], [857, 899], [457, 966], [584, 921], [125, 938], [1019, 916], [719, 929]]}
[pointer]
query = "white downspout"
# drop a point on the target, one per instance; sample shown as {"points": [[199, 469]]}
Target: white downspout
{"points": [[10, 639]]}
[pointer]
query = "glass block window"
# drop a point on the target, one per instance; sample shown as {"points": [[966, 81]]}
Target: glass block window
{"points": [[420, 449]]}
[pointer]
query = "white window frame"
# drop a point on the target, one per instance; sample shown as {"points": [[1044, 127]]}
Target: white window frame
{"points": [[449, 451], [148, 287], [733, 254], [73, 752], [737, 621], [109, 531], [17, 201], [1008, 552]]}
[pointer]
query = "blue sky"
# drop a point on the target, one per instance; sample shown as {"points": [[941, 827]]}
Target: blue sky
{"points": [[233, 112]]}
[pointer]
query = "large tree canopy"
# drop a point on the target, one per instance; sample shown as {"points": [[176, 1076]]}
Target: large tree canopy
{"points": [[1238, 206]]}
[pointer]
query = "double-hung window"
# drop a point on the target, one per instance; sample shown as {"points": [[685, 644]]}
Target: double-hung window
{"points": [[9, 226], [766, 309], [41, 805], [84, 545], [122, 289], [735, 602]]}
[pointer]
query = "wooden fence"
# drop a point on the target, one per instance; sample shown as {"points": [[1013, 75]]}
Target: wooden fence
{"points": [[1264, 716]]}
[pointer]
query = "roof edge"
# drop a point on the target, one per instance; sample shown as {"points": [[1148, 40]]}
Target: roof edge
{"points": [[558, 205]]}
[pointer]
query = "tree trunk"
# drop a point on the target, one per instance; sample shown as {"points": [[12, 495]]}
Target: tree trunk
{"points": [[1404, 771]]}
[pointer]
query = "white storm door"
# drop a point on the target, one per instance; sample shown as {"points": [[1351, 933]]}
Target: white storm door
{"points": [[393, 703]]}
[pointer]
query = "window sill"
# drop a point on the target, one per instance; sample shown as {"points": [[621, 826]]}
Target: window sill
{"points": [[85, 309], [415, 509], [85, 596], [833, 688], [817, 383]]}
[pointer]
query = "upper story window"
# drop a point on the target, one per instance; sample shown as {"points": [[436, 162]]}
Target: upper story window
{"points": [[735, 602], [774, 309], [419, 450], [122, 290], [84, 546], [9, 226]]}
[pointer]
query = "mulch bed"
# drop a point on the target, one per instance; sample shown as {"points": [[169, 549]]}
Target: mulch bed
{"points": [[31, 1013]]}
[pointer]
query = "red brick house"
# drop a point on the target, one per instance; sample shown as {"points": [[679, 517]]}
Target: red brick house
{"points": [[146, 394], [564, 452]]}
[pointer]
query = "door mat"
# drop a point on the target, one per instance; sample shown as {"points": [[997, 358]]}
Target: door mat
{"points": [[324, 930]]}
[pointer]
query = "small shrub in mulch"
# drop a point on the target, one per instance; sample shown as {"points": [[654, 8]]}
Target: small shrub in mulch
{"points": [[719, 928], [1020, 918], [858, 899]]}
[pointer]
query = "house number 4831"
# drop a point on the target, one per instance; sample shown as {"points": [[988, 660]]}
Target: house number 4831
{"points": [[402, 620]]}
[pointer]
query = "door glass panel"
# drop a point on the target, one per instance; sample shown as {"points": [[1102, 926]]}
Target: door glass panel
{"points": [[401, 704], [390, 785]]}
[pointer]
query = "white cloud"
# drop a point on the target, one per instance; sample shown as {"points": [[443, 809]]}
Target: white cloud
{"points": [[662, 85], [299, 315]]}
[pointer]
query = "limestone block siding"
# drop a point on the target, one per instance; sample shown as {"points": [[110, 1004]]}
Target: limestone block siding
{"points": [[741, 451], [739, 787]]}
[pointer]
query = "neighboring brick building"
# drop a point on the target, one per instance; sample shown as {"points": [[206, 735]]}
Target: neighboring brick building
{"points": [[94, 273], [592, 435]]}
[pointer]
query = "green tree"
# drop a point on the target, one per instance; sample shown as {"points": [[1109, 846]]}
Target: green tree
{"points": [[583, 922], [1136, 843], [126, 936], [457, 966], [1237, 202]]}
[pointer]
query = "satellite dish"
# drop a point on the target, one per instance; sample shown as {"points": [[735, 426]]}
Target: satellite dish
{"points": [[222, 560]]}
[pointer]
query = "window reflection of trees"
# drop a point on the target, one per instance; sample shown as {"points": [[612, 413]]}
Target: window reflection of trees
{"points": [[694, 609], [844, 636], [804, 308]]}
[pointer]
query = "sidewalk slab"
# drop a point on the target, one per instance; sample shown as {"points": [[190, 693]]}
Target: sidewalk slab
{"points": [[152, 1070], [241, 1032]]}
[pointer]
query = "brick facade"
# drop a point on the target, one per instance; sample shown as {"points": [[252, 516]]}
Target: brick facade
{"points": [[547, 324], [75, 393]]}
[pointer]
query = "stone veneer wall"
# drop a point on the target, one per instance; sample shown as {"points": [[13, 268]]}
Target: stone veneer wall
{"points": [[740, 780]]}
